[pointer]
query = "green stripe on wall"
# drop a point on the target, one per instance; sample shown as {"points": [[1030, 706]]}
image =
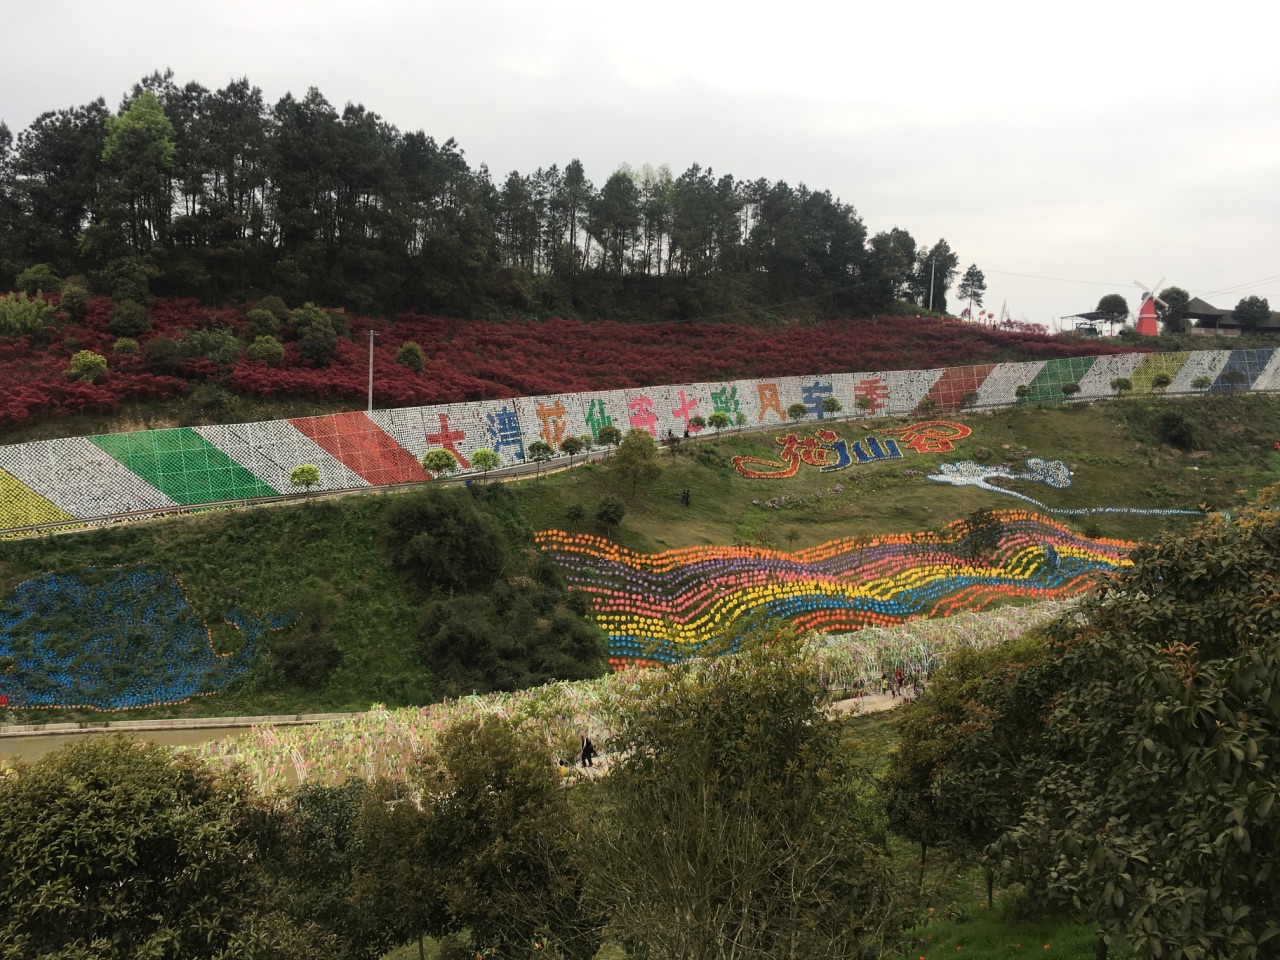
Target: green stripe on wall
{"points": [[183, 465], [1047, 385]]}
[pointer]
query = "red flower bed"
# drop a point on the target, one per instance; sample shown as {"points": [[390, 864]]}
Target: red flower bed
{"points": [[471, 360]]}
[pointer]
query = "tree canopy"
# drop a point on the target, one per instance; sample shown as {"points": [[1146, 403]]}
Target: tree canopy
{"points": [[1252, 312], [217, 193]]}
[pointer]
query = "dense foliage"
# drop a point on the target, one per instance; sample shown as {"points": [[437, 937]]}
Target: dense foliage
{"points": [[111, 849], [734, 822], [218, 194], [496, 614], [1129, 769]]}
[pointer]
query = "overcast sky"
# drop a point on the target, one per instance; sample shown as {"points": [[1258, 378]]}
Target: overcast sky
{"points": [[1087, 145]]}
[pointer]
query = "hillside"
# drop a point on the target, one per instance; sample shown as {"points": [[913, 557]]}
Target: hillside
{"points": [[184, 363], [371, 620]]}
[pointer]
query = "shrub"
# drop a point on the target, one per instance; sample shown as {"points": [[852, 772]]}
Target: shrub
{"points": [[1175, 429], [410, 354], [268, 350], [41, 278], [1201, 383], [128, 319], [218, 346], [1121, 384], [163, 355], [208, 401], [307, 653], [927, 404], [274, 306], [317, 340], [609, 512], [864, 403], [74, 297], [260, 323], [22, 315], [797, 411], [126, 347], [443, 540], [1022, 391], [87, 365], [129, 278], [1160, 381], [1070, 389], [832, 406]]}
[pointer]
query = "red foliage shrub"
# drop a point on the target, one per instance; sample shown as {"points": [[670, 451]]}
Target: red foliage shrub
{"points": [[472, 360]]}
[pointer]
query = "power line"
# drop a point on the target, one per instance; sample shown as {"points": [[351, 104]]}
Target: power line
{"points": [[1036, 276]]}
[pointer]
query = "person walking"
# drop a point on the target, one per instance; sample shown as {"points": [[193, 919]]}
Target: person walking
{"points": [[588, 750]]}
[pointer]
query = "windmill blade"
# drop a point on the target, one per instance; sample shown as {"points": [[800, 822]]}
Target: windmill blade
{"points": [[1143, 287]]}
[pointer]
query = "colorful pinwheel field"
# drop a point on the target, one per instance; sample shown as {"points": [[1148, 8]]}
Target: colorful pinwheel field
{"points": [[661, 607], [384, 742]]}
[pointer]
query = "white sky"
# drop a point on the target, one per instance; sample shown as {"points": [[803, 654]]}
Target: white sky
{"points": [[1099, 143]]}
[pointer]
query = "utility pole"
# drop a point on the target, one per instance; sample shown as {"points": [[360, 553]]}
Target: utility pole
{"points": [[932, 266], [372, 334]]}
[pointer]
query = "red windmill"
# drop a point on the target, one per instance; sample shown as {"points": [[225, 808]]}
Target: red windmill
{"points": [[1147, 325]]}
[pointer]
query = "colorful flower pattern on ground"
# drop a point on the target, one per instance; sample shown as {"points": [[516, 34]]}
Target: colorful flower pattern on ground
{"points": [[115, 639], [385, 742], [826, 451], [662, 606]]}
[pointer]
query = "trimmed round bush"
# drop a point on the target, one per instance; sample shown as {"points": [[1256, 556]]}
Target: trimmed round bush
{"points": [[267, 350], [126, 347], [410, 354], [40, 278], [260, 323], [87, 365]]}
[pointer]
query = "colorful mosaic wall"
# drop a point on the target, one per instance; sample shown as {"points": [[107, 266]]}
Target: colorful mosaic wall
{"points": [[114, 639], [93, 477], [660, 607]]}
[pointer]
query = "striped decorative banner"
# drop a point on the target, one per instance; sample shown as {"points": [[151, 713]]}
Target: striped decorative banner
{"points": [[97, 477]]}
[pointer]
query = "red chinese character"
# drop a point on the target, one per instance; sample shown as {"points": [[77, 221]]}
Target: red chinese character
{"points": [[446, 439], [684, 411], [875, 390], [642, 415], [931, 436]]}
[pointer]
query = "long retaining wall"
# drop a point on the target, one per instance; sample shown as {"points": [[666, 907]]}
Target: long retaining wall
{"points": [[88, 478]]}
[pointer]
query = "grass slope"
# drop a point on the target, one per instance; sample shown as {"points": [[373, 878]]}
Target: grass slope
{"points": [[333, 554]]}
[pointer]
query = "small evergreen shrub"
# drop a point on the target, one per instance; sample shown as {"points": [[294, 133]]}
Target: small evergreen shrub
{"points": [[128, 319], [87, 365], [40, 278], [24, 316], [267, 350], [410, 354], [126, 347]]}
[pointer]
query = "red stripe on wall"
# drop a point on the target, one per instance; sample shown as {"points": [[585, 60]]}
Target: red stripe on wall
{"points": [[362, 446]]}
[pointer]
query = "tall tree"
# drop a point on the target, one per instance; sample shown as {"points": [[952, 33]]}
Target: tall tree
{"points": [[137, 158], [935, 269], [614, 219], [1115, 307], [1252, 312], [55, 169], [1176, 309], [117, 849], [972, 286]]}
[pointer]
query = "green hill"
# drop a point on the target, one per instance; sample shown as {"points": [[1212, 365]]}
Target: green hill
{"points": [[366, 617]]}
